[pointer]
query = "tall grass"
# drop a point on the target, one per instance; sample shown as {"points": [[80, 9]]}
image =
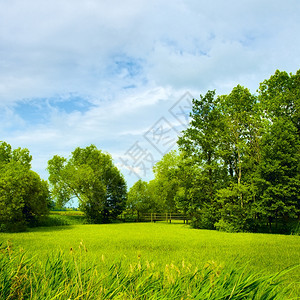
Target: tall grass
{"points": [[71, 275]]}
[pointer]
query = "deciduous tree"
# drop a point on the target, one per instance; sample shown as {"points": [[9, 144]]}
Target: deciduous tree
{"points": [[91, 177], [24, 197]]}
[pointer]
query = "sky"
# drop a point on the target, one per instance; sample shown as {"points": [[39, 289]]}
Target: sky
{"points": [[121, 74]]}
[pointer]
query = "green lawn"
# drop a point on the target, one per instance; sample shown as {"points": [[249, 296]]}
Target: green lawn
{"points": [[163, 243]]}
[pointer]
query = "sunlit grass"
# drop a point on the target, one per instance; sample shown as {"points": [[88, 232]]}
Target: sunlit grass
{"points": [[162, 244]]}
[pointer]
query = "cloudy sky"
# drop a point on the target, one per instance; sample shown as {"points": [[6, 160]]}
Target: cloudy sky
{"points": [[121, 74]]}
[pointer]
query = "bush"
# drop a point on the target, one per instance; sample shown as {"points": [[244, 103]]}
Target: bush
{"points": [[222, 225], [295, 230], [203, 219]]}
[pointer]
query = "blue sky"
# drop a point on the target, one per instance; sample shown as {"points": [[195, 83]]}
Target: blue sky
{"points": [[121, 75]]}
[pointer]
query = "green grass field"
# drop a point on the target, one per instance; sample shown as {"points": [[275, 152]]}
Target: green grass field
{"points": [[164, 244]]}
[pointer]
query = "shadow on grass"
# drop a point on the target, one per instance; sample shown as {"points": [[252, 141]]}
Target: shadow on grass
{"points": [[56, 223], [50, 228]]}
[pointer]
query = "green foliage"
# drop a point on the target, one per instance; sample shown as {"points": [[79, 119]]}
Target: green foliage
{"points": [[239, 161], [246, 150], [236, 208], [295, 230], [279, 176], [91, 177], [175, 187], [8, 155], [201, 140], [279, 170], [139, 199], [203, 218], [226, 226], [24, 197], [280, 97], [167, 181]]}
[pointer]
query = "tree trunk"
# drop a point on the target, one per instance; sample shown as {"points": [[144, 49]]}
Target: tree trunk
{"points": [[240, 175]]}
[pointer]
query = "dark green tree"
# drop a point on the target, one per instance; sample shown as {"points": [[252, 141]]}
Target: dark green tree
{"points": [[24, 197], [139, 199], [202, 139], [280, 97], [200, 145], [91, 177], [241, 135], [279, 170]]}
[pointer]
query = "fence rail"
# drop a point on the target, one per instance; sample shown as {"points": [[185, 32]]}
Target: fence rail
{"points": [[168, 217]]}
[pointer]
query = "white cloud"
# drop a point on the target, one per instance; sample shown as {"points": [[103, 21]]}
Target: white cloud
{"points": [[127, 63]]}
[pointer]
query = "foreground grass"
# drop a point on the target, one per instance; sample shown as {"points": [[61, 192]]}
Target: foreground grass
{"points": [[163, 244], [73, 276]]}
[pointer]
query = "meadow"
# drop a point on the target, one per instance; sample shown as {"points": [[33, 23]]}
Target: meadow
{"points": [[160, 247]]}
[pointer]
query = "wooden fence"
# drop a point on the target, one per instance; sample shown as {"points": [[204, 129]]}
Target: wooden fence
{"points": [[167, 217]]}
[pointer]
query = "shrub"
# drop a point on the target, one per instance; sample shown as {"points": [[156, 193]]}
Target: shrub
{"points": [[204, 218]]}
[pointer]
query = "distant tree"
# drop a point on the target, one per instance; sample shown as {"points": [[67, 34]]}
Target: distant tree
{"points": [[91, 177], [24, 197], [139, 199], [167, 181], [191, 197]]}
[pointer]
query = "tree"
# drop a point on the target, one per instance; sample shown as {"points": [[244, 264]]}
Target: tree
{"points": [[191, 197], [24, 197], [139, 199], [167, 181], [9, 155], [200, 145], [240, 151], [201, 140], [280, 97], [277, 176], [279, 172], [91, 177], [240, 115]]}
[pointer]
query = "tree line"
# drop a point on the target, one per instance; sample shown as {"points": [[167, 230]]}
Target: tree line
{"points": [[237, 168], [238, 164], [89, 175]]}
